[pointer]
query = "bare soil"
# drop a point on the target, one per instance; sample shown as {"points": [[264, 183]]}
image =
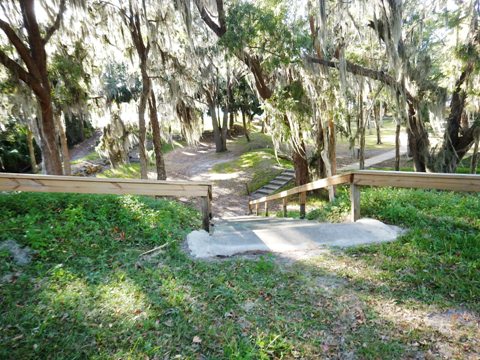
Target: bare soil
{"points": [[195, 164]]}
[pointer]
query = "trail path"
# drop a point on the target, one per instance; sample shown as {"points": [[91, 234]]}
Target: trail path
{"points": [[378, 159], [195, 164], [229, 198]]}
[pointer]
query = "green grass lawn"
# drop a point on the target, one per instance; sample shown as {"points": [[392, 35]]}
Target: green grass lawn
{"points": [[436, 261], [89, 294]]}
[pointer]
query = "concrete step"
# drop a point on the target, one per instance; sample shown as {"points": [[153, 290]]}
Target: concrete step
{"points": [[271, 187], [279, 182], [243, 234], [262, 192], [285, 178]]}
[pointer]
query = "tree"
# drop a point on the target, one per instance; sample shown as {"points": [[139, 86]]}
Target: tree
{"points": [[414, 76], [262, 48], [29, 64]]}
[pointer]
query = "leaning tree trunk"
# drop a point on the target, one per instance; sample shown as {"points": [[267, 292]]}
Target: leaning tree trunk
{"points": [[157, 139], [142, 128]]}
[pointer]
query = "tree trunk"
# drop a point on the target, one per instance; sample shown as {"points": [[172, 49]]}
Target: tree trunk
{"points": [[377, 110], [417, 140], [300, 164], [397, 146], [245, 128], [361, 128], [224, 129], [320, 167], [67, 169], [332, 146], [31, 151], [157, 139], [142, 137], [474, 162], [232, 120], [217, 134], [50, 154]]}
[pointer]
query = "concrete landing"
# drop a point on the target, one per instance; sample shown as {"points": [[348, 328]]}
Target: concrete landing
{"points": [[256, 234]]}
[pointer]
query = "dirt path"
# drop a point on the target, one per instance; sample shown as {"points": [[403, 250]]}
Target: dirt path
{"points": [[84, 148], [229, 199], [195, 164]]}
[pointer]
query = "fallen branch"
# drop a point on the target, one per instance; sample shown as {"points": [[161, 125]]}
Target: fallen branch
{"points": [[158, 248]]}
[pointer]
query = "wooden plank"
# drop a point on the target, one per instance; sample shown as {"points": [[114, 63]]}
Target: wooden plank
{"points": [[72, 184], [205, 204], [93, 179], [454, 182], [354, 202], [319, 184]]}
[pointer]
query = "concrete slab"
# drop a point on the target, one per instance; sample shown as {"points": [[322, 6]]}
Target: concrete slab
{"points": [[250, 234]]}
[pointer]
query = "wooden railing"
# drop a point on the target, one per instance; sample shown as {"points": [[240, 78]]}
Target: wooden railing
{"points": [[455, 182], [87, 185]]}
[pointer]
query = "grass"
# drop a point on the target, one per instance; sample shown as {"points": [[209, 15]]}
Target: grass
{"points": [[124, 171], [437, 261], [387, 136], [89, 157], [89, 294], [259, 166]]}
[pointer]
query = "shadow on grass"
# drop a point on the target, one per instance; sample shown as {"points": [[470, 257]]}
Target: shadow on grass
{"points": [[89, 295]]}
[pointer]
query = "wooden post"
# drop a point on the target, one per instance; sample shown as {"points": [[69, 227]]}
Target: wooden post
{"points": [[303, 200], [355, 202], [284, 207], [206, 213], [266, 208], [249, 209], [256, 209]]}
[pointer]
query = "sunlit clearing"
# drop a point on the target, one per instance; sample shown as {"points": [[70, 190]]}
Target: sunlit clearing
{"points": [[122, 299]]}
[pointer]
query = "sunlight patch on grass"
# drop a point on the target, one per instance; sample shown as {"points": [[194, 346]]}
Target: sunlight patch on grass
{"points": [[125, 171], [259, 166], [89, 157], [122, 299]]}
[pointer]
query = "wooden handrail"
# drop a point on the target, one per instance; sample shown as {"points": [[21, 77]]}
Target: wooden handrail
{"points": [[454, 182], [87, 185]]}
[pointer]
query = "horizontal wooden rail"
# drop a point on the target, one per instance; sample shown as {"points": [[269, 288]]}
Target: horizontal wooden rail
{"points": [[454, 182], [87, 185]]}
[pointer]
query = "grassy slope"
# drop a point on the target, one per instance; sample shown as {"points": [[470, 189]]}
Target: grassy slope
{"points": [[257, 164], [87, 293], [436, 261]]}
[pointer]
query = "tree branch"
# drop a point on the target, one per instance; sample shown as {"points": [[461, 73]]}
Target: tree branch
{"points": [[34, 38], [20, 47], [19, 71], [51, 30], [219, 29]]}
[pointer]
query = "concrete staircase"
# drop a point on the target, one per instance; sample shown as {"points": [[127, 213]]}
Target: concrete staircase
{"points": [[247, 234], [280, 181]]}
